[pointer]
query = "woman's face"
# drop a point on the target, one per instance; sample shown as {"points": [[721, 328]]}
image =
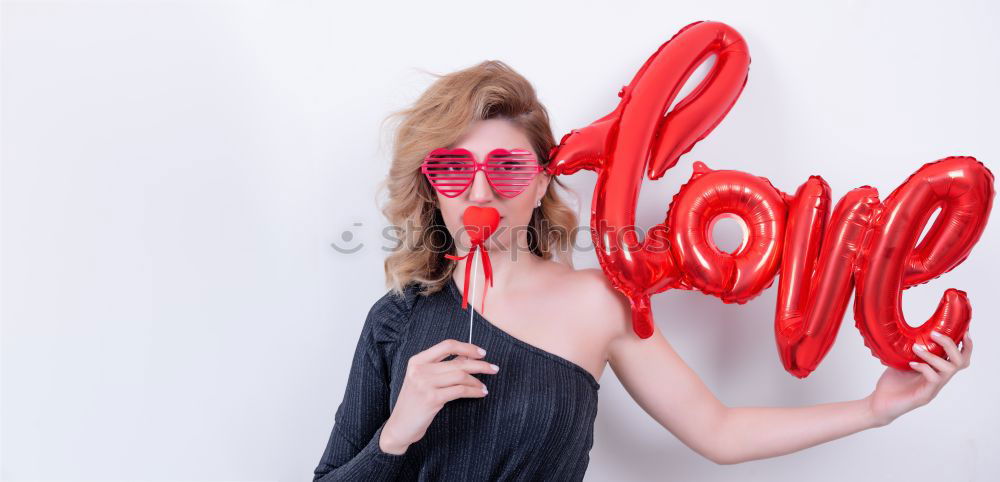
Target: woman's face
{"points": [[515, 213]]}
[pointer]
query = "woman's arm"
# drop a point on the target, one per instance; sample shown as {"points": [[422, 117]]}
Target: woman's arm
{"points": [[667, 389], [353, 451], [670, 391], [751, 433]]}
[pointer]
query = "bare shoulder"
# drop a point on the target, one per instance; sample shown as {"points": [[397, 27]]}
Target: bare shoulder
{"points": [[598, 305]]}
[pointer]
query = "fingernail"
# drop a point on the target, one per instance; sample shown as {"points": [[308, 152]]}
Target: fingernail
{"points": [[482, 352], [914, 364], [494, 367], [936, 334], [919, 347], [485, 391]]}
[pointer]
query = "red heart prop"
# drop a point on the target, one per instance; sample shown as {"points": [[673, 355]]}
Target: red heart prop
{"points": [[480, 223]]}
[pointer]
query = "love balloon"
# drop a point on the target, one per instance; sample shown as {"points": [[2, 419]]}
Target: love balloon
{"points": [[864, 245]]}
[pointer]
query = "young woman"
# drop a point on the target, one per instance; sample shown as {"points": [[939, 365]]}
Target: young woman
{"points": [[519, 402]]}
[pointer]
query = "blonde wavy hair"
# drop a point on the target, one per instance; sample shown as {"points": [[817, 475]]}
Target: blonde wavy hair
{"points": [[439, 118]]}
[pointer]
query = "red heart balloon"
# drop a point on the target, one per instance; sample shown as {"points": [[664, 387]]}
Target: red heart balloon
{"points": [[480, 223]]}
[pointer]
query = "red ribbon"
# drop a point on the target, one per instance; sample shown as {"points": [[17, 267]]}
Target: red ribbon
{"points": [[487, 269]]}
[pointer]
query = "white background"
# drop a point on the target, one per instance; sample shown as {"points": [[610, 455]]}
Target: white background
{"points": [[174, 174]]}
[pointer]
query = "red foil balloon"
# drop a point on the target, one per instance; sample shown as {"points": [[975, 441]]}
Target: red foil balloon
{"points": [[817, 271], [636, 137], [712, 195], [480, 223], [891, 259], [867, 243]]}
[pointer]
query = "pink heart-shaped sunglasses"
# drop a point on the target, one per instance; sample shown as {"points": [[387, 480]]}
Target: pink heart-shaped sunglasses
{"points": [[451, 171]]}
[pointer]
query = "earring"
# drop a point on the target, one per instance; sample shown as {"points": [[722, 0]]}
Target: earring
{"points": [[539, 204]]}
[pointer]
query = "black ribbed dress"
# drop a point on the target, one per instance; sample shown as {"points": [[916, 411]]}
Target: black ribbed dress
{"points": [[536, 423]]}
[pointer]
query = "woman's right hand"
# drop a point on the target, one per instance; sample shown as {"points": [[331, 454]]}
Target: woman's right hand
{"points": [[429, 384]]}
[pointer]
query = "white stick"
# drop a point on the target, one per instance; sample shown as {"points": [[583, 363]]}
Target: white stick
{"points": [[472, 307]]}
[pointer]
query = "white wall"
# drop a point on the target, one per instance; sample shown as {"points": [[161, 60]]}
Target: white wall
{"points": [[174, 174]]}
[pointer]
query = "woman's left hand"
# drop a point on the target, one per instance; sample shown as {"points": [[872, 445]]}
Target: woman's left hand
{"points": [[899, 391]]}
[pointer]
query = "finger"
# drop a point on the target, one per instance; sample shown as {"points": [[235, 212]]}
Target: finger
{"points": [[940, 364], [469, 366], [464, 365], [949, 347], [445, 348], [448, 379], [448, 394], [928, 372], [967, 349]]}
